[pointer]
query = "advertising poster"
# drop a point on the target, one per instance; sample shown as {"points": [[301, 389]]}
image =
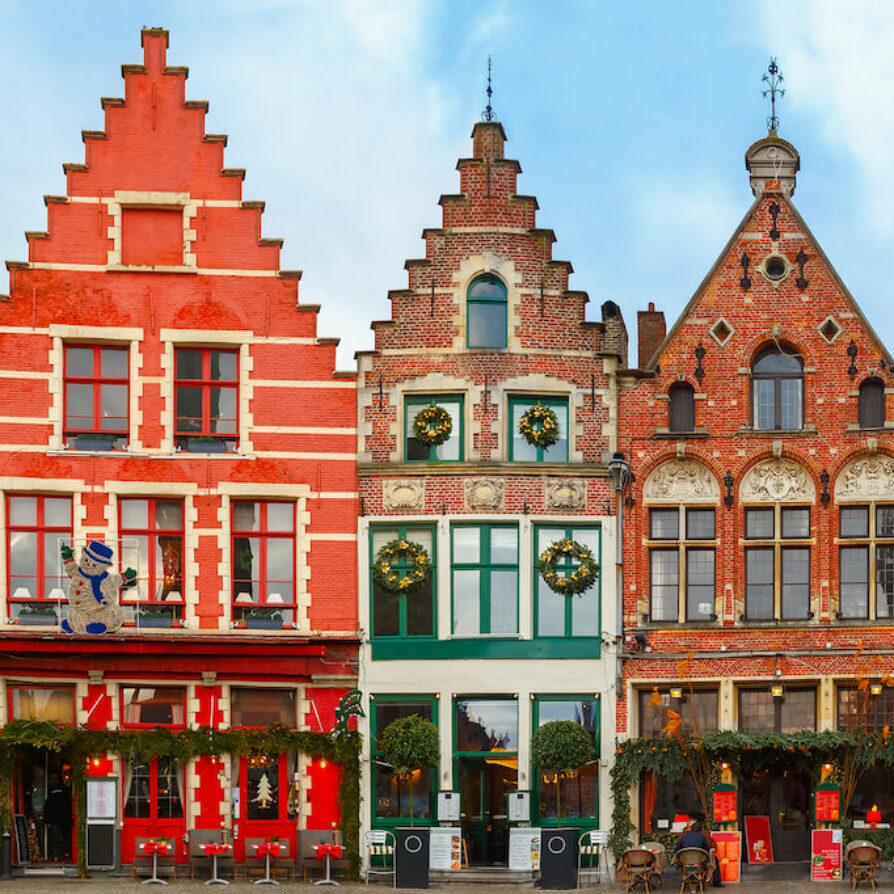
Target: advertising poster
{"points": [[825, 855], [729, 855], [445, 848], [524, 849], [757, 839]]}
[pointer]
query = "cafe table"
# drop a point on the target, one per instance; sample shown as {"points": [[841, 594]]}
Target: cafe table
{"points": [[267, 849], [153, 849], [327, 852], [214, 850]]}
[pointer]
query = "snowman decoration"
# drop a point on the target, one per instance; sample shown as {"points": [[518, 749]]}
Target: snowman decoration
{"points": [[93, 591]]}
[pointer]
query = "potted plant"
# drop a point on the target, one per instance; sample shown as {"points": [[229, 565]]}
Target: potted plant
{"points": [[263, 619], [560, 746], [411, 745], [154, 616], [38, 615], [206, 444], [91, 441]]}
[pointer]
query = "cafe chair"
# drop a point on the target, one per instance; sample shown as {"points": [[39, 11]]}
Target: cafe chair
{"points": [[142, 863], [637, 869], [863, 858], [591, 859], [198, 859], [693, 865], [283, 864], [380, 854]]}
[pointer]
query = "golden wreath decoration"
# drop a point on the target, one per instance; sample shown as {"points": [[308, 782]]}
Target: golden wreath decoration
{"points": [[539, 425], [432, 426], [403, 552], [580, 580]]}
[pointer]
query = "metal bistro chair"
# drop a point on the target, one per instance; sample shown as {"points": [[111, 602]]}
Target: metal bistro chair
{"points": [[863, 858], [380, 854], [591, 859], [693, 865], [638, 867]]}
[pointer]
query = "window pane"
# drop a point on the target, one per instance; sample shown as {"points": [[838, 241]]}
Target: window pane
{"points": [[487, 288], [884, 521], [466, 545], [854, 581], [699, 584], [790, 403], [664, 584], [139, 794], [134, 514], [757, 712], [764, 409], [280, 560], [796, 522], [504, 602], [681, 411], [486, 725], [759, 584], [759, 524], [189, 409], [550, 609], [167, 785], [578, 793], [777, 361], [79, 406], [522, 451], [189, 363], [466, 603], [420, 619], [700, 524], [23, 553], [585, 713], [113, 407], [79, 362], [222, 410], [55, 577], [223, 366], [585, 612], [795, 582], [246, 516], [664, 524], [57, 512], [386, 612], [798, 710], [558, 452], [262, 784], [504, 546], [884, 581], [449, 450], [487, 324], [280, 516], [53, 705], [853, 521], [169, 515], [871, 404], [113, 363], [23, 511], [150, 705], [262, 707]]}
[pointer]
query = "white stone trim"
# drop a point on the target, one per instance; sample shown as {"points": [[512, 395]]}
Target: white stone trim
{"points": [[303, 430], [190, 563], [96, 334], [285, 383], [503, 268], [24, 374], [55, 388], [200, 337], [25, 420]]}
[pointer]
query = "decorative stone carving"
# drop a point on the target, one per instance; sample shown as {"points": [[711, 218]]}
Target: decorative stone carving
{"points": [[484, 493], [866, 478], [776, 480], [681, 481], [566, 493], [405, 493]]}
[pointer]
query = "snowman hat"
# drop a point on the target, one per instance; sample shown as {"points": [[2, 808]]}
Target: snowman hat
{"points": [[99, 552]]}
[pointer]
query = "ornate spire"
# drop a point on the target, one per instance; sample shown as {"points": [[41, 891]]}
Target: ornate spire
{"points": [[773, 78], [488, 113]]}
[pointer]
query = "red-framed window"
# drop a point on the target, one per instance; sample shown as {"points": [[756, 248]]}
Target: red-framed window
{"points": [[96, 396], [206, 386], [263, 550], [151, 542], [153, 790], [52, 704], [262, 708], [149, 706], [35, 529]]}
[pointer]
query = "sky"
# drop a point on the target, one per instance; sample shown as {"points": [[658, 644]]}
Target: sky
{"points": [[630, 120]]}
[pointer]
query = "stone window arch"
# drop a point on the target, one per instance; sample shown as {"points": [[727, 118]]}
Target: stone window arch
{"points": [[487, 312]]}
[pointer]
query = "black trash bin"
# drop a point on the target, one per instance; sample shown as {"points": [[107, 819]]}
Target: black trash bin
{"points": [[558, 859], [411, 858]]}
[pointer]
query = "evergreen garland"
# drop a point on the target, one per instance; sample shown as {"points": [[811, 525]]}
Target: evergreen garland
{"points": [[432, 426]]}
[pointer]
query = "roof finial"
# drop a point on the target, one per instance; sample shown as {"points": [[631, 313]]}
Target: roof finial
{"points": [[773, 79], [488, 113]]}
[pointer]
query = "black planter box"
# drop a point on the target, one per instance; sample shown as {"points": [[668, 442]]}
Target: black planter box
{"points": [[154, 622], [215, 446], [411, 858], [97, 443], [558, 859], [263, 624], [38, 620]]}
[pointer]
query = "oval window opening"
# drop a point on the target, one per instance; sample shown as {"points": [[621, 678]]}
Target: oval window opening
{"points": [[775, 267]]}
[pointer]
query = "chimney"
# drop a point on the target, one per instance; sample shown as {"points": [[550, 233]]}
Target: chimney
{"points": [[614, 337], [650, 332]]}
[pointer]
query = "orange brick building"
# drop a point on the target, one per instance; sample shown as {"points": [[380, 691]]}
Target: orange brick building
{"points": [[165, 394], [759, 544]]}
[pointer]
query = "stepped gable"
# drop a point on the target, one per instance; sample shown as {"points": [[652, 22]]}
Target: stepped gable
{"points": [[484, 226]]}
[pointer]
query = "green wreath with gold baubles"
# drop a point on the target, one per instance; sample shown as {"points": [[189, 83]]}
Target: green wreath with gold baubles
{"points": [[403, 552], [539, 426], [432, 426], [580, 580]]}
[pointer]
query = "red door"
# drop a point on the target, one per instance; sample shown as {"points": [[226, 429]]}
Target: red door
{"points": [[153, 805], [268, 800]]}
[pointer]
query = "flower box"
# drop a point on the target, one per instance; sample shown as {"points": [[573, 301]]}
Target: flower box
{"points": [[37, 620], [264, 623], [212, 445], [93, 442], [154, 622]]}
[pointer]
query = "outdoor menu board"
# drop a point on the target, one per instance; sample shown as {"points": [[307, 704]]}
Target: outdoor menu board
{"points": [[729, 855], [825, 855], [757, 838], [524, 849], [519, 806], [827, 803], [448, 807], [725, 806], [445, 848]]}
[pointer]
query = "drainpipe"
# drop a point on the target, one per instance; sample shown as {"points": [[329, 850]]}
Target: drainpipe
{"points": [[619, 469]]}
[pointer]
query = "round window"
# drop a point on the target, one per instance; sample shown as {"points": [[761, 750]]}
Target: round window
{"points": [[775, 267]]}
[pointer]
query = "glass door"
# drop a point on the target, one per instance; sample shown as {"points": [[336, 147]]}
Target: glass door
{"points": [[44, 797], [484, 784]]}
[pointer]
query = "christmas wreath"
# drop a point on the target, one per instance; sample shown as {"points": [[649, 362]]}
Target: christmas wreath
{"points": [[407, 553], [580, 579], [539, 425], [432, 426]]}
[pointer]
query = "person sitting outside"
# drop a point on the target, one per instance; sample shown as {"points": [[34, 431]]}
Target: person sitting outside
{"points": [[693, 836]]}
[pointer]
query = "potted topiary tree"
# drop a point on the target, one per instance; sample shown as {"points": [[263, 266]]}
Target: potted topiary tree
{"points": [[560, 746], [410, 745]]}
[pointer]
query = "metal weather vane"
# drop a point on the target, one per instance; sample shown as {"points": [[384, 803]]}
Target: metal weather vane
{"points": [[488, 113], [773, 78]]}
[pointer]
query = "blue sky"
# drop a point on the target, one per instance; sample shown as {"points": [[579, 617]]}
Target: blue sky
{"points": [[630, 120]]}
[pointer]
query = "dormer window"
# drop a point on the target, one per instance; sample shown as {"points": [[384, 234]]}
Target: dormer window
{"points": [[777, 390], [487, 313], [681, 407]]}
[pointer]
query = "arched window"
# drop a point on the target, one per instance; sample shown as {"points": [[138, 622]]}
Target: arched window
{"points": [[487, 313], [871, 412], [777, 390], [681, 408]]}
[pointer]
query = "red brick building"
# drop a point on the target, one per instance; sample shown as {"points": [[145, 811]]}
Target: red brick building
{"points": [[165, 394], [487, 330], [759, 548]]}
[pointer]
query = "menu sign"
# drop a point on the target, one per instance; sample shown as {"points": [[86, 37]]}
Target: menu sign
{"points": [[828, 804], [757, 837], [445, 849], [524, 849], [729, 855], [825, 855], [725, 805]]}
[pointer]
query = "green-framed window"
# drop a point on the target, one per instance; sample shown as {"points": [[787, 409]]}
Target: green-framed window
{"points": [[483, 724], [556, 614], [452, 450], [484, 578], [390, 793], [519, 448], [578, 790], [409, 614], [487, 314]]}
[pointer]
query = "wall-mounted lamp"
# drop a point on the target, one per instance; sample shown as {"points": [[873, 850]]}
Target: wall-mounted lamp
{"points": [[776, 690], [676, 693], [876, 688], [724, 766], [827, 767]]}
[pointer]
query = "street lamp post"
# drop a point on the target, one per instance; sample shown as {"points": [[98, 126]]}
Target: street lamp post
{"points": [[619, 469]]}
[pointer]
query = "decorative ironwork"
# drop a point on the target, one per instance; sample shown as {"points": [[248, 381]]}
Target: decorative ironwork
{"points": [[825, 496], [745, 282], [350, 705], [488, 113], [773, 78], [630, 500], [852, 353], [801, 259], [774, 213], [728, 484], [699, 356]]}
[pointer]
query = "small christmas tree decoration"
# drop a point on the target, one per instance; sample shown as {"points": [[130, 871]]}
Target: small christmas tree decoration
{"points": [[264, 797]]}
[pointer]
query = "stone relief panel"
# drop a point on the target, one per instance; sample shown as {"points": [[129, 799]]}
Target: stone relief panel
{"points": [[566, 493], [866, 478], [776, 480], [484, 493], [681, 481], [407, 493]]}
